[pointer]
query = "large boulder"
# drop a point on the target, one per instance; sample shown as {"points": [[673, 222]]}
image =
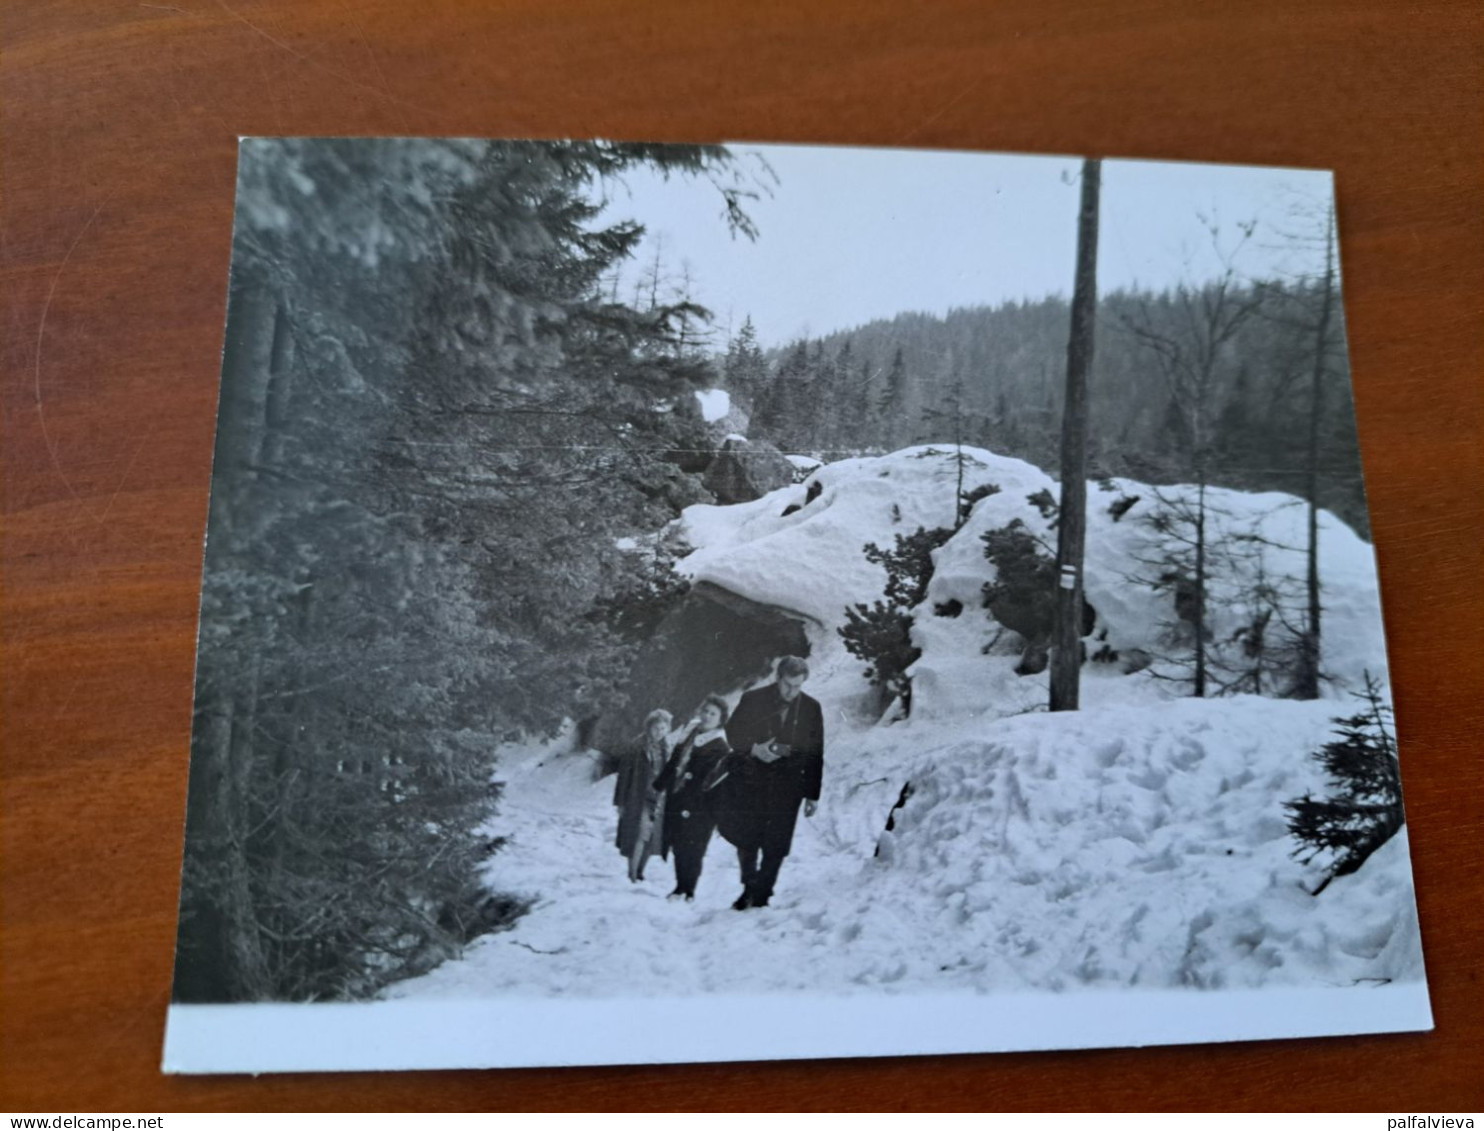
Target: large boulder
{"points": [[745, 470]]}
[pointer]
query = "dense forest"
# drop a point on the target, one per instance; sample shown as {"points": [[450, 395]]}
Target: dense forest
{"points": [[994, 376], [419, 361]]}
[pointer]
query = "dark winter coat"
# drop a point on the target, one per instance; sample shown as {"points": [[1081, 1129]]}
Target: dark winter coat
{"points": [[689, 808], [634, 792], [758, 805]]}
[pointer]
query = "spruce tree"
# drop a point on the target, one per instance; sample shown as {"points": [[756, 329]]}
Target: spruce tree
{"points": [[863, 410], [745, 371], [955, 424], [1022, 596], [881, 633], [839, 401], [1364, 809], [784, 417], [893, 401]]}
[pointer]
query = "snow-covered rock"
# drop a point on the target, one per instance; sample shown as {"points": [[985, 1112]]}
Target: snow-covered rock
{"points": [[810, 561], [744, 470], [804, 466]]}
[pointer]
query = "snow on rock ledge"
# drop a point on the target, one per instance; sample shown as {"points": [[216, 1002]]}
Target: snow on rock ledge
{"points": [[811, 563]]}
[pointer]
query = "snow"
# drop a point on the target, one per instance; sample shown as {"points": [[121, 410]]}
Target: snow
{"points": [[810, 563], [1126, 847], [715, 404], [1122, 848], [1139, 842]]}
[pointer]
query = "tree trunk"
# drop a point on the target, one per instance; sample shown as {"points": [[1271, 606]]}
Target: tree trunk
{"points": [[1066, 664], [277, 392], [248, 975], [1307, 684], [1199, 621], [959, 512], [256, 332], [257, 335]]}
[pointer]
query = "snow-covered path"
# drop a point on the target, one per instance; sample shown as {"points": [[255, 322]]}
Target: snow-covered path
{"points": [[1103, 849], [593, 933]]}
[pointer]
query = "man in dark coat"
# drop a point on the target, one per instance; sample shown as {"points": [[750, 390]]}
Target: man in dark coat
{"points": [[777, 733]]}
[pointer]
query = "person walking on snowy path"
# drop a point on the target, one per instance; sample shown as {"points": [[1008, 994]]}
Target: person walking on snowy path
{"points": [[641, 807], [689, 814], [778, 734]]}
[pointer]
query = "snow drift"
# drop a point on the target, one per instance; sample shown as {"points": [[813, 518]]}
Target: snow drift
{"points": [[1125, 847]]}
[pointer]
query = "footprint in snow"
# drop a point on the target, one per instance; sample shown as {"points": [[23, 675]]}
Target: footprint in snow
{"points": [[1149, 778], [1163, 862], [1190, 755]]}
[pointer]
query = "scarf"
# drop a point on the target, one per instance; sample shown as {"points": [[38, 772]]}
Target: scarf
{"points": [[690, 744]]}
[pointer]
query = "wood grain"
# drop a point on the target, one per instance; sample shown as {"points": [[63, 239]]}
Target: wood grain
{"points": [[120, 122]]}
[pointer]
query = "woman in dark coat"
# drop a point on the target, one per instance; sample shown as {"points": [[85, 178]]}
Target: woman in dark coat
{"points": [[641, 806], [690, 817]]}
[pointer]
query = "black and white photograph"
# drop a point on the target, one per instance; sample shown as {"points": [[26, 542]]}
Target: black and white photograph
{"points": [[696, 602]]}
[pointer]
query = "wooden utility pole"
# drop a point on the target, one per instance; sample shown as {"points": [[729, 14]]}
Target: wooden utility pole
{"points": [[1307, 686], [1066, 661]]}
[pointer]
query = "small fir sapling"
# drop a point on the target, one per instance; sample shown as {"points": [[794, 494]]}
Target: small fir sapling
{"points": [[1022, 596], [1365, 809], [968, 498], [881, 633], [1045, 502]]}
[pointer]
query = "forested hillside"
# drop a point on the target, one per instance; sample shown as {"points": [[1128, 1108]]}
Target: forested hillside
{"points": [[993, 376]]}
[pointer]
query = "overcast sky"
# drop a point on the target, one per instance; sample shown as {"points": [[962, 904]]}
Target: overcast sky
{"points": [[849, 235]]}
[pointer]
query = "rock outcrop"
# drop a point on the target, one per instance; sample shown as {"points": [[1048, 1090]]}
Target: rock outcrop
{"points": [[745, 470]]}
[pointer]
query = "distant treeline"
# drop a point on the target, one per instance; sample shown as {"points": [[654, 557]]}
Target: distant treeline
{"points": [[995, 376]]}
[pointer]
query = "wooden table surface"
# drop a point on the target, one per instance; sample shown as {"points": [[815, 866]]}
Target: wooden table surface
{"points": [[120, 120]]}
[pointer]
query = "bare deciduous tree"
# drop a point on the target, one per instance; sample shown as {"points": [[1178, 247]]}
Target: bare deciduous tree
{"points": [[1188, 353]]}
